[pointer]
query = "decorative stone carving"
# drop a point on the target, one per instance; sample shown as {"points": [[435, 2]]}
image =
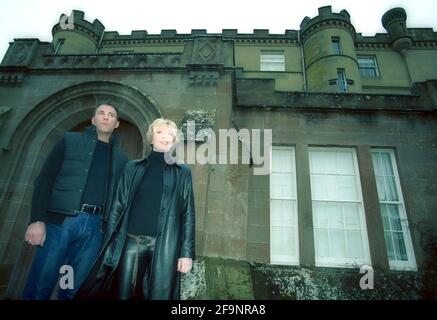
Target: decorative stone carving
{"points": [[197, 120], [19, 54], [203, 78], [11, 79], [207, 51], [109, 61]]}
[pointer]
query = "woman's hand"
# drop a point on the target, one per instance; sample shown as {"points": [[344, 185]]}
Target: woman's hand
{"points": [[185, 265]]}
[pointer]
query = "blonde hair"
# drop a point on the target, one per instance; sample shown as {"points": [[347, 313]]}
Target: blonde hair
{"points": [[160, 122]]}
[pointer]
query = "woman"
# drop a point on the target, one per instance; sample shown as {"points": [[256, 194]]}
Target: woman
{"points": [[150, 229]]}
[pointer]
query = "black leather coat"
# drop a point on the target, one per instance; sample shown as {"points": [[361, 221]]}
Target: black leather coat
{"points": [[174, 240]]}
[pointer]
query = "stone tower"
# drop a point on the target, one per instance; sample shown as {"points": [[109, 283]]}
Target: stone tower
{"points": [[74, 35], [329, 52], [394, 21]]}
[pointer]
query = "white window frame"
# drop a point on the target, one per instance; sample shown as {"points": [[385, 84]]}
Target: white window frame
{"points": [[272, 61], [366, 69], [410, 264], [285, 259], [343, 262]]}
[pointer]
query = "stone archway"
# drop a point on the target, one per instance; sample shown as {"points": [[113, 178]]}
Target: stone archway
{"points": [[34, 138]]}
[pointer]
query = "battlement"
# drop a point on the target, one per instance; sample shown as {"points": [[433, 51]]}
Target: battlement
{"points": [[76, 21], [308, 25], [326, 16], [173, 34]]}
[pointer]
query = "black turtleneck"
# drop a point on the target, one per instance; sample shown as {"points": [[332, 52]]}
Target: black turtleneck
{"points": [[143, 219]]}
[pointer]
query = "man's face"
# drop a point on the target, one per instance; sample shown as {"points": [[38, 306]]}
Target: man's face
{"points": [[105, 119], [163, 138]]}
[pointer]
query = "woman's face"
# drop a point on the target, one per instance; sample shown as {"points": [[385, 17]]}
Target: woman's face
{"points": [[163, 138]]}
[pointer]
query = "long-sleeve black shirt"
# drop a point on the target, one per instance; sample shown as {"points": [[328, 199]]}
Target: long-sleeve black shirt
{"points": [[143, 217]]}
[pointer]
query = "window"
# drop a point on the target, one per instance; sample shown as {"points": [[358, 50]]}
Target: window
{"points": [[59, 45], [367, 66], [272, 61], [340, 234], [394, 218], [341, 81], [336, 46], [284, 248]]}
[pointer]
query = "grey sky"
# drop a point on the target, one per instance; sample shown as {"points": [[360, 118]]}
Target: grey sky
{"points": [[35, 19]]}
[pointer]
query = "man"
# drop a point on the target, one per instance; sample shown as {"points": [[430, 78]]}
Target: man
{"points": [[71, 198]]}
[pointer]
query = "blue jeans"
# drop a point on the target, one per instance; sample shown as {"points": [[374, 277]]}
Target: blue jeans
{"points": [[77, 243]]}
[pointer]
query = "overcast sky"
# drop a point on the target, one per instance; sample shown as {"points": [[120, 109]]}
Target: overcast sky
{"points": [[35, 19]]}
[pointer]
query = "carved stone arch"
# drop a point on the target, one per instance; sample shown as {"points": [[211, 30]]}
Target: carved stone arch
{"points": [[34, 137]]}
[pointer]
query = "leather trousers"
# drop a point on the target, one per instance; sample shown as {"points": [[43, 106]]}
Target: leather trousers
{"points": [[133, 272]]}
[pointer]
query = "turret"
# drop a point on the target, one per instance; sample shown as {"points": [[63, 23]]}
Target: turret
{"points": [[329, 50], [394, 21], [74, 35]]}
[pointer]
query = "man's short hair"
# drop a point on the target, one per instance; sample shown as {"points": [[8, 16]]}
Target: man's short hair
{"points": [[107, 104], [159, 123]]}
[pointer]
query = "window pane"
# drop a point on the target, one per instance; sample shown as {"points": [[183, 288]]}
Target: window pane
{"points": [[321, 189], [351, 216], [283, 161], [381, 189], [390, 188], [282, 241], [401, 253], [344, 163], [282, 213], [321, 215], [282, 185], [354, 244], [384, 214], [341, 81], [386, 164], [377, 166], [347, 188], [393, 213], [336, 47], [338, 244], [390, 246], [322, 243]]}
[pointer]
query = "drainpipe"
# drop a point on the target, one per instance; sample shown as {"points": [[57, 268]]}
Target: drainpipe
{"points": [[303, 62]]}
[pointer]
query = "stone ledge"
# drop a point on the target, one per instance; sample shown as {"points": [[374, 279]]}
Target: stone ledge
{"points": [[260, 93]]}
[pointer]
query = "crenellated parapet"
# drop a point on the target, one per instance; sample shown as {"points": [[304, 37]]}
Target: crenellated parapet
{"points": [[395, 22], [74, 34], [76, 21], [326, 19]]}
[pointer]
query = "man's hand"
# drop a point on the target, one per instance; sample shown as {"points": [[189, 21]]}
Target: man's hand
{"points": [[36, 234], [185, 265]]}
